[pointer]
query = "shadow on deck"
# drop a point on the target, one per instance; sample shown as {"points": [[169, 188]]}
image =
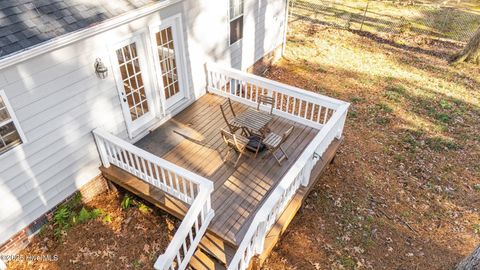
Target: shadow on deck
{"points": [[192, 140]]}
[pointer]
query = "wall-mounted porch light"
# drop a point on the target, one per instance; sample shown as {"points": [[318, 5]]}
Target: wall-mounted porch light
{"points": [[100, 69]]}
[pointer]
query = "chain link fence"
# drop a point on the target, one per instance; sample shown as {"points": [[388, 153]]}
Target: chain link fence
{"points": [[440, 20]]}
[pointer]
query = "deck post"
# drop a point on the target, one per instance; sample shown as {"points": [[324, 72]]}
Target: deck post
{"points": [[102, 150], [342, 121]]}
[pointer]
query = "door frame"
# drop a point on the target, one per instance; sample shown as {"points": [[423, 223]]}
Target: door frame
{"points": [[175, 22], [134, 129]]}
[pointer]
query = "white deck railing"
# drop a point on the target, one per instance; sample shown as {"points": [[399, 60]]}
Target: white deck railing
{"points": [[291, 102], [172, 179], [296, 104]]}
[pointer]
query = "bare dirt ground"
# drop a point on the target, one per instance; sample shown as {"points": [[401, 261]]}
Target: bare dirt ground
{"points": [[404, 190], [130, 238]]}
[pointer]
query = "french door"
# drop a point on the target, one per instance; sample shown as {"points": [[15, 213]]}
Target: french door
{"points": [[131, 73], [167, 52]]}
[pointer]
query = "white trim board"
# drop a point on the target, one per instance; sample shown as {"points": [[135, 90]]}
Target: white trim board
{"points": [[78, 35]]}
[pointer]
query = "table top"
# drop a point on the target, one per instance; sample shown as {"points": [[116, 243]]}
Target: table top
{"points": [[253, 119]]}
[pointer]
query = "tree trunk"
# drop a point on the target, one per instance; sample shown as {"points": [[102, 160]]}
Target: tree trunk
{"points": [[471, 52], [472, 262]]}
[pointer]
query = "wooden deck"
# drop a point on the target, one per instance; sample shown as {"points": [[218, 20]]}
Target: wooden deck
{"points": [[192, 140]]}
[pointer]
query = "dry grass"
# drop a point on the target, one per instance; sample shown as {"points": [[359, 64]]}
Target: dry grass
{"points": [[404, 190]]}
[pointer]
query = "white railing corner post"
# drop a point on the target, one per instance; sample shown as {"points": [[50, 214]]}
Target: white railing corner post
{"points": [[342, 120], [102, 150]]}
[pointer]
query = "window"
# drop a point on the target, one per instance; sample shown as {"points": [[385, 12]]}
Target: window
{"points": [[236, 20], [10, 132]]}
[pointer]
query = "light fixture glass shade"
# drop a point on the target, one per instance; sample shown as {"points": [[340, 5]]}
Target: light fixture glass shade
{"points": [[100, 69]]}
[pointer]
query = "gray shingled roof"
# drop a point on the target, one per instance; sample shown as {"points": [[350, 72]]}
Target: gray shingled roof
{"points": [[26, 23]]}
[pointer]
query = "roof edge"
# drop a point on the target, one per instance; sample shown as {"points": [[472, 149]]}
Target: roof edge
{"points": [[78, 35]]}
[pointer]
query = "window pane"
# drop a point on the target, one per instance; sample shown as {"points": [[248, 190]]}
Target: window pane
{"points": [[9, 137], [4, 114], [236, 30], [236, 8]]}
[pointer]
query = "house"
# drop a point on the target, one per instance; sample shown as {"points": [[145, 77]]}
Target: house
{"points": [[103, 87]]}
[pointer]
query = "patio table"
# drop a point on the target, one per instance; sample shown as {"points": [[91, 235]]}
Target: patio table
{"points": [[254, 121]]}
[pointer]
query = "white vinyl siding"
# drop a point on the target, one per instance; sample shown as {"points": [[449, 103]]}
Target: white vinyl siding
{"points": [[58, 101]]}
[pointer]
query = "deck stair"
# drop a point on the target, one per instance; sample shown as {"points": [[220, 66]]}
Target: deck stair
{"points": [[213, 252]]}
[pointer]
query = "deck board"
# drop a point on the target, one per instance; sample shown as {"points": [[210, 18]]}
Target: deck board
{"points": [[239, 192]]}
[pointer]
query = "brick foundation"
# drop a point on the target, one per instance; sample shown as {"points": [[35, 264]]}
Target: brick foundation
{"points": [[21, 240], [262, 65]]}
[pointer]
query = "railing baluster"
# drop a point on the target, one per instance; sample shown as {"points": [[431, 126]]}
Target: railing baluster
{"points": [[150, 168]]}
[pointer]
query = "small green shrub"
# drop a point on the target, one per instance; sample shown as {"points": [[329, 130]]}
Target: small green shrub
{"points": [[84, 215], [126, 202], [61, 220], [143, 208]]}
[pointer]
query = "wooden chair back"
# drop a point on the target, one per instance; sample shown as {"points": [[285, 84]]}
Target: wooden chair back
{"points": [[286, 135], [231, 140], [227, 105], [265, 100]]}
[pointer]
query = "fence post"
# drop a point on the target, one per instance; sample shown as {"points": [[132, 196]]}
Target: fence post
{"points": [[364, 15]]}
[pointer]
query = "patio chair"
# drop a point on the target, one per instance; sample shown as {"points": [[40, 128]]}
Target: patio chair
{"points": [[237, 143], [265, 100], [232, 126], [273, 142]]}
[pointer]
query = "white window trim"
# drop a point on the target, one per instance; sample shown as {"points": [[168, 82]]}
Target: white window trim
{"points": [[15, 123], [233, 19]]}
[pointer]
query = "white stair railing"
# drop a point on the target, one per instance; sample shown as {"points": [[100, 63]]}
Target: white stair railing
{"points": [[302, 106], [173, 180]]}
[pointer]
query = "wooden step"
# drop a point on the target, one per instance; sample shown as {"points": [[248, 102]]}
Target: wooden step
{"points": [[203, 261], [218, 248]]}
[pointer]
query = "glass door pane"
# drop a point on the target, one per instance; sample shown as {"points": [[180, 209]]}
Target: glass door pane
{"points": [[131, 75], [168, 62]]}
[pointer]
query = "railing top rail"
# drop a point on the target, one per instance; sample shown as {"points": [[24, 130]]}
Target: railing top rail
{"points": [[197, 179], [274, 85], [290, 176]]}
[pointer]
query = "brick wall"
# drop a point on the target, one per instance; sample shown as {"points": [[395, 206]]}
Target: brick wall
{"points": [[20, 240]]}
